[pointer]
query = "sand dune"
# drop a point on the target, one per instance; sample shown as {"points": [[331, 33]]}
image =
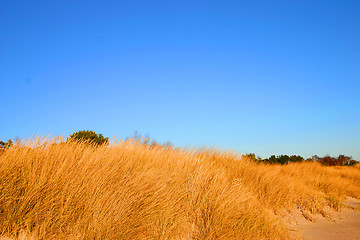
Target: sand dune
{"points": [[131, 190]]}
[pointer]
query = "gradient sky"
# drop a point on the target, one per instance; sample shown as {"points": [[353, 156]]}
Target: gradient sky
{"points": [[269, 77]]}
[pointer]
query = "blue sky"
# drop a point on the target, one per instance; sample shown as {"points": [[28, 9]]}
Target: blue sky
{"points": [[269, 77]]}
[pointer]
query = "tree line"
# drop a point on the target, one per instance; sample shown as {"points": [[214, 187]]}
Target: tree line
{"points": [[341, 160]]}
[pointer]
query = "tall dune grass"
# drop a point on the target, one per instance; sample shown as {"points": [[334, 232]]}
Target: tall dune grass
{"points": [[129, 190]]}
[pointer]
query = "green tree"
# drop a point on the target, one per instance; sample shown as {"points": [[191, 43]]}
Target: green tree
{"points": [[272, 159], [89, 137], [283, 159], [294, 158]]}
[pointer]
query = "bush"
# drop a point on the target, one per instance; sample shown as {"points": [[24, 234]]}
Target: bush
{"points": [[89, 137]]}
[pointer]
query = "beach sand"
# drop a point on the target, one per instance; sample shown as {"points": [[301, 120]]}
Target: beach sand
{"points": [[344, 225]]}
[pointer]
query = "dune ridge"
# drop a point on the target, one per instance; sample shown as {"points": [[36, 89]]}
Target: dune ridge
{"points": [[130, 190]]}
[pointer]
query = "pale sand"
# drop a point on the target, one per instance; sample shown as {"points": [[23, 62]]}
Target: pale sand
{"points": [[344, 225], [22, 236]]}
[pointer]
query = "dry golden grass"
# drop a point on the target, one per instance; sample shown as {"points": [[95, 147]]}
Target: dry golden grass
{"points": [[132, 191]]}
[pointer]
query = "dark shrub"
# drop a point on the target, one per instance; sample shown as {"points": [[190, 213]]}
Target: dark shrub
{"points": [[89, 137], [283, 159]]}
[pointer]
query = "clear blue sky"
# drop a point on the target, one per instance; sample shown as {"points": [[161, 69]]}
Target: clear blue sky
{"points": [[269, 77]]}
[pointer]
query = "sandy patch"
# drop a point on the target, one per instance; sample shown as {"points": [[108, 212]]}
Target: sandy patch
{"points": [[22, 236], [344, 225]]}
